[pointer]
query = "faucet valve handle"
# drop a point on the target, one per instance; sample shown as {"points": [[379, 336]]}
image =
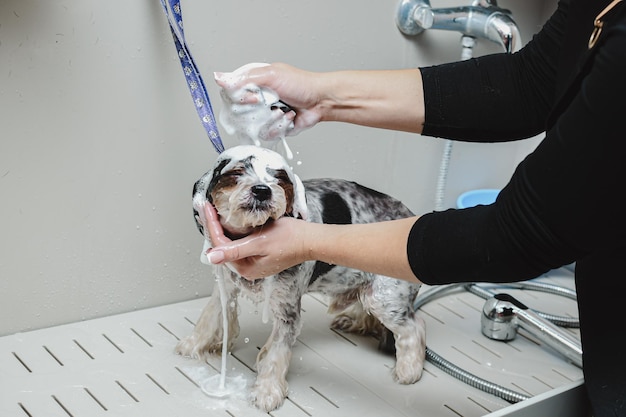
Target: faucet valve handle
{"points": [[411, 14], [424, 16]]}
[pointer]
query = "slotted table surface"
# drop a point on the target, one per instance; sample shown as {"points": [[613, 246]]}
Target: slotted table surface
{"points": [[125, 365]]}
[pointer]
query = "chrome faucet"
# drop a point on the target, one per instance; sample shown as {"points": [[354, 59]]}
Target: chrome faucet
{"points": [[503, 314], [482, 19]]}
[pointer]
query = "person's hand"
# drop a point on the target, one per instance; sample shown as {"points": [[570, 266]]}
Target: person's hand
{"points": [[252, 84], [266, 252]]}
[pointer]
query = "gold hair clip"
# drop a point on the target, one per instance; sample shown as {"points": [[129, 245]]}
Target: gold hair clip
{"points": [[598, 23]]}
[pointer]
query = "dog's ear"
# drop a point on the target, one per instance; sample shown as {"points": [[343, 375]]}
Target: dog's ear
{"points": [[199, 202], [199, 199], [299, 200]]}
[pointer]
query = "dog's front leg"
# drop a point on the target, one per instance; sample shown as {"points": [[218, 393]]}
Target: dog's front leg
{"points": [[270, 388], [208, 334]]}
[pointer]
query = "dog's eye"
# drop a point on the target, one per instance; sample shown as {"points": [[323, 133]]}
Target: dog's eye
{"points": [[281, 175], [232, 173], [229, 178]]}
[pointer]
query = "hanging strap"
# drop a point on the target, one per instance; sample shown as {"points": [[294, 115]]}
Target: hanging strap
{"points": [[192, 75]]}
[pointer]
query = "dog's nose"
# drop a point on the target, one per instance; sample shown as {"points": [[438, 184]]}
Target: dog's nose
{"points": [[261, 192]]}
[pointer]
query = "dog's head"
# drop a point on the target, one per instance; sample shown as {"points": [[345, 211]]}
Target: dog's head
{"points": [[249, 186]]}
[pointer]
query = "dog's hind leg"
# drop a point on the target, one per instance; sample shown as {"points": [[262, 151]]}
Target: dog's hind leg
{"points": [[391, 301], [355, 319], [208, 333], [270, 388]]}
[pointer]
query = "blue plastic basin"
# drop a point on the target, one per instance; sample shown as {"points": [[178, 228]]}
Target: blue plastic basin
{"points": [[475, 197]]}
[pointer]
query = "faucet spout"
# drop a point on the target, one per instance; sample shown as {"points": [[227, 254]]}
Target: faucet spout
{"points": [[482, 19], [500, 28]]}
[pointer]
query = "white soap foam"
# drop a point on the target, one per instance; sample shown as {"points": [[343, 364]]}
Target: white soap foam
{"points": [[234, 395], [234, 386], [220, 284], [261, 123]]}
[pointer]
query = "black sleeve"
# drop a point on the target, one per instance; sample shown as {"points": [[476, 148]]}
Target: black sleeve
{"points": [[564, 201], [498, 97]]}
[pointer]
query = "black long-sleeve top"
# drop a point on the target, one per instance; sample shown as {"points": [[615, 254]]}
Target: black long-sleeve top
{"points": [[565, 201]]}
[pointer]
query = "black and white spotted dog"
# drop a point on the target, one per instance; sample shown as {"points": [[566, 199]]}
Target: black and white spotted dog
{"points": [[250, 186]]}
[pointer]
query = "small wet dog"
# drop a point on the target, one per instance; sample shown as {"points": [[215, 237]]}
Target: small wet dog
{"points": [[250, 186]]}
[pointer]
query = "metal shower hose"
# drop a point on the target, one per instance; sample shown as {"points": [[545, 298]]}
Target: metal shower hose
{"points": [[469, 378]]}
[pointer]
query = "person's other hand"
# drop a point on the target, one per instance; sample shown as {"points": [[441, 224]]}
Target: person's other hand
{"points": [[274, 248]]}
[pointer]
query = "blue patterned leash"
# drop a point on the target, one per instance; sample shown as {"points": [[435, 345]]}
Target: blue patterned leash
{"points": [[192, 75]]}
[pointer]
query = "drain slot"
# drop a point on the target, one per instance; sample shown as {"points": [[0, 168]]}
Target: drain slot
{"points": [[238, 360], [53, 355], [299, 406], [25, 410], [324, 397], [453, 410], [93, 397], [141, 337], [187, 376], [22, 362], [83, 349], [157, 384], [341, 336], [62, 406], [169, 331], [487, 410], [130, 394], [112, 342]]}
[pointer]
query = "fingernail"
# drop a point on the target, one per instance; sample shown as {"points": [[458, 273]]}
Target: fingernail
{"points": [[215, 256]]}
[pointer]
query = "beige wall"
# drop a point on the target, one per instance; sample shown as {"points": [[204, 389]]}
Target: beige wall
{"points": [[100, 143]]}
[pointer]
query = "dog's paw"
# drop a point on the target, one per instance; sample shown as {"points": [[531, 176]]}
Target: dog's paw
{"points": [[342, 322], [192, 347], [268, 395], [410, 353], [407, 373]]}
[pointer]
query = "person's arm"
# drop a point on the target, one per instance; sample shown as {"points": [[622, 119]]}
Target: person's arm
{"points": [[374, 247], [389, 99]]}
